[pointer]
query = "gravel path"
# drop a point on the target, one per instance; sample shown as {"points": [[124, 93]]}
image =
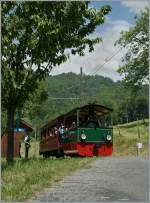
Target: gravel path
{"points": [[119, 179]]}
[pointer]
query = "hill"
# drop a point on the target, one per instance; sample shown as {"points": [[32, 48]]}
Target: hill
{"points": [[52, 100]]}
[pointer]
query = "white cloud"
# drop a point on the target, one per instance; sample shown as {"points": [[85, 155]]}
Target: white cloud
{"points": [[135, 6], [103, 51]]}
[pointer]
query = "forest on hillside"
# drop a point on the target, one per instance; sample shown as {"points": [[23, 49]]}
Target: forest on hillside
{"points": [[61, 93]]}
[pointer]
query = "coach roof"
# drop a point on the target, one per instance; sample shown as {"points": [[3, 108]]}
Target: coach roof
{"points": [[98, 110]]}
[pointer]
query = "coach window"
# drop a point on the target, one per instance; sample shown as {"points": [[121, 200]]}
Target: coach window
{"points": [[50, 132], [47, 132], [44, 134], [41, 135]]}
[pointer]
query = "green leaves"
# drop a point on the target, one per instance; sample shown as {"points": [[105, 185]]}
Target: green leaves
{"points": [[136, 41], [48, 30], [105, 9], [37, 33]]}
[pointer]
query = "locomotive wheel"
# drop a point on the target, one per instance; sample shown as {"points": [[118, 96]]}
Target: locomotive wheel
{"points": [[46, 155], [60, 153]]}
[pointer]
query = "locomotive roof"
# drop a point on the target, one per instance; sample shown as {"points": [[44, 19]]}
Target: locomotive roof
{"points": [[99, 110]]}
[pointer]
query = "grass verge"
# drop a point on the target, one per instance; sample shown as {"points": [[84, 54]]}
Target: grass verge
{"points": [[126, 138], [25, 177]]}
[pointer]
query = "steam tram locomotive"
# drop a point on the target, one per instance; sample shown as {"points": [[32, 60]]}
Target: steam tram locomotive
{"points": [[87, 138]]}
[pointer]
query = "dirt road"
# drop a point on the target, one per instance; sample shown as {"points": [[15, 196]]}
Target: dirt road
{"points": [[119, 179]]}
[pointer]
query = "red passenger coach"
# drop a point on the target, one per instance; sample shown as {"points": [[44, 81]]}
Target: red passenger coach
{"points": [[79, 132]]}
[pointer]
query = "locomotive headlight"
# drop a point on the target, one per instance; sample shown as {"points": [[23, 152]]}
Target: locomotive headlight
{"points": [[108, 137], [83, 136]]}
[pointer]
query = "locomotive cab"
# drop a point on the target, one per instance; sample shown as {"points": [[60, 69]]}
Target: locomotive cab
{"points": [[92, 136]]}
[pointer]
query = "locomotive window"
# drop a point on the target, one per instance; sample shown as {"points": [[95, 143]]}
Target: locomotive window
{"points": [[90, 124]]}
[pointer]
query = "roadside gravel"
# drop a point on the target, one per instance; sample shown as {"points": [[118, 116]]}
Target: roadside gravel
{"points": [[109, 179]]}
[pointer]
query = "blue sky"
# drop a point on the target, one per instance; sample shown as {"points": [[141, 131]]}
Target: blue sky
{"points": [[118, 10], [120, 19]]}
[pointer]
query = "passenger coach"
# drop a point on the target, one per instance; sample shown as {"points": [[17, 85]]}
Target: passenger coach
{"points": [[87, 137]]}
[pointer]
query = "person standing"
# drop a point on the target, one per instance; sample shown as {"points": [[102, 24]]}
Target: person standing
{"points": [[27, 145], [62, 132]]}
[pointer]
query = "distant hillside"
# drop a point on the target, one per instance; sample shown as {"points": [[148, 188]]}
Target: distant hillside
{"points": [[98, 89], [72, 85]]}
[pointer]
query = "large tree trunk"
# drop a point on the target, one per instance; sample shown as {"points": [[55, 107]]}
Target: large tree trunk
{"points": [[10, 130]]}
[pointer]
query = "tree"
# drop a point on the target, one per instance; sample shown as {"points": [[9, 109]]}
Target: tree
{"points": [[36, 36], [32, 107], [136, 41]]}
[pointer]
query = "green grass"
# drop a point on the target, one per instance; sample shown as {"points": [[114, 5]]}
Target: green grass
{"points": [[25, 177], [125, 141]]}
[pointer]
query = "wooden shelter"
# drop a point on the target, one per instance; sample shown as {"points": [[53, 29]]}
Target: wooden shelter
{"points": [[19, 133]]}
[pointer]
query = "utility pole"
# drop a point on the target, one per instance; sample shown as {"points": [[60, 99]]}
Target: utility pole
{"points": [[18, 120], [111, 121], [127, 113], [81, 85], [35, 136], [139, 144], [82, 82]]}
